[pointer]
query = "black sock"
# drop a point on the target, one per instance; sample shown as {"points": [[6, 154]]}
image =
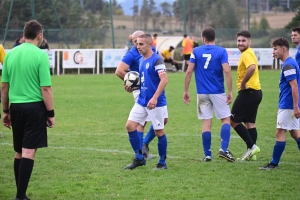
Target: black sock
{"points": [[253, 134], [16, 169], [176, 66], [244, 134], [26, 167]]}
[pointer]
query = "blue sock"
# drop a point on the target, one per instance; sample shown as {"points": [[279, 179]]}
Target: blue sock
{"points": [[298, 142], [141, 136], [135, 144], [225, 136], [162, 149], [277, 152], [206, 142], [150, 135]]}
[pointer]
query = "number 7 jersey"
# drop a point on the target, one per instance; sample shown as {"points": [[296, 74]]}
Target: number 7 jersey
{"points": [[208, 60]]}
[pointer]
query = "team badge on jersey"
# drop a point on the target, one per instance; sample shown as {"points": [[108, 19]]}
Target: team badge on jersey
{"points": [[147, 65]]}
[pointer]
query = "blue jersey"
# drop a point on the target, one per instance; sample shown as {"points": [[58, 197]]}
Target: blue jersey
{"points": [[208, 60], [297, 55], [149, 72], [132, 58], [289, 72]]}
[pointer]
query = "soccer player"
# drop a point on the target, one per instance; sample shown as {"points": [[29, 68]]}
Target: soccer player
{"points": [[245, 106], [210, 63], [187, 48], [151, 102], [26, 85], [167, 55], [130, 62], [288, 105], [296, 40]]}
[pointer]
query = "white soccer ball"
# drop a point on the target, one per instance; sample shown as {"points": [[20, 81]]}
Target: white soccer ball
{"points": [[132, 79]]}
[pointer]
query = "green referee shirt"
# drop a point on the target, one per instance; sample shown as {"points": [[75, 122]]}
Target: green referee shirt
{"points": [[26, 69]]}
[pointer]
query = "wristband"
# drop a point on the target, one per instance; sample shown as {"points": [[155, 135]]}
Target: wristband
{"points": [[50, 113], [6, 111]]}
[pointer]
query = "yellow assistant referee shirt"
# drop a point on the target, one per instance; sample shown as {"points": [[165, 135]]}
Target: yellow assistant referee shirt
{"points": [[248, 58], [2, 54]]}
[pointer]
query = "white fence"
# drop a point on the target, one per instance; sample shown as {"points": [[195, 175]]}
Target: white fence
{"points": [[96, 59]]}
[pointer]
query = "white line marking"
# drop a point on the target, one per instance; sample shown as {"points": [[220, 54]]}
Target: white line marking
{"points": [[156, 156]]}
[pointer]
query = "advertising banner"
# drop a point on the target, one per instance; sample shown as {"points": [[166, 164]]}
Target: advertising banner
{"points": [[79, 58], [264, 56], [112, 57]]}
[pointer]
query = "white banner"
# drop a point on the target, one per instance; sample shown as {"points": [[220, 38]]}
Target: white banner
{"points": [[264, 56], [112, 57], [233, 56], [79, 59]]}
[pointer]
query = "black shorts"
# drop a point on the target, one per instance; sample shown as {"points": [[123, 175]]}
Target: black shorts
{"points": [[245, 106], [187, 57], [29, 125], [170, 60]]}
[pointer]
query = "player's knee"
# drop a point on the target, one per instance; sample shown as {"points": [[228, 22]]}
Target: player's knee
{"points": [[160, 132], [165, 121], [28, 153], [131, 126]]}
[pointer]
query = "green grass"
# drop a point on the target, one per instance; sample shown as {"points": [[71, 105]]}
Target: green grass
{"points": [[88, 149]]}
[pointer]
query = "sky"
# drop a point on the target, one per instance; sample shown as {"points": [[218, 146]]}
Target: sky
{"points": [[128, 4]]}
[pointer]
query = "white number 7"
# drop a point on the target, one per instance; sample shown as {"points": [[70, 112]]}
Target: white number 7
{"points": [[208, 57]]}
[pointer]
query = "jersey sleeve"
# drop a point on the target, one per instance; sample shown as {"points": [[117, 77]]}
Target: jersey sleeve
{"points": [[289, 72], [44, 70], [183, 43], [193, 58], [224, 57], [249, 59], [160, 66], [128, 58]]}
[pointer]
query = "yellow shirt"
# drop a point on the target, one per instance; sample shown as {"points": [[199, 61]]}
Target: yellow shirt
{"points": [[166, 54], [248, 58], [2, 54], [187, 45]]}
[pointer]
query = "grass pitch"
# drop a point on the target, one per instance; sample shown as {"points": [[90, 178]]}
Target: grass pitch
{"points": [[89, 147]]}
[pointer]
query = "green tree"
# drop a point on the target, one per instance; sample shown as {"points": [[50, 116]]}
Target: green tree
{"points": [[94, 6], [254, 24], [295, 21], [167, 13], [74, 18], [196, 12], [264, 24], [147, 10]]}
